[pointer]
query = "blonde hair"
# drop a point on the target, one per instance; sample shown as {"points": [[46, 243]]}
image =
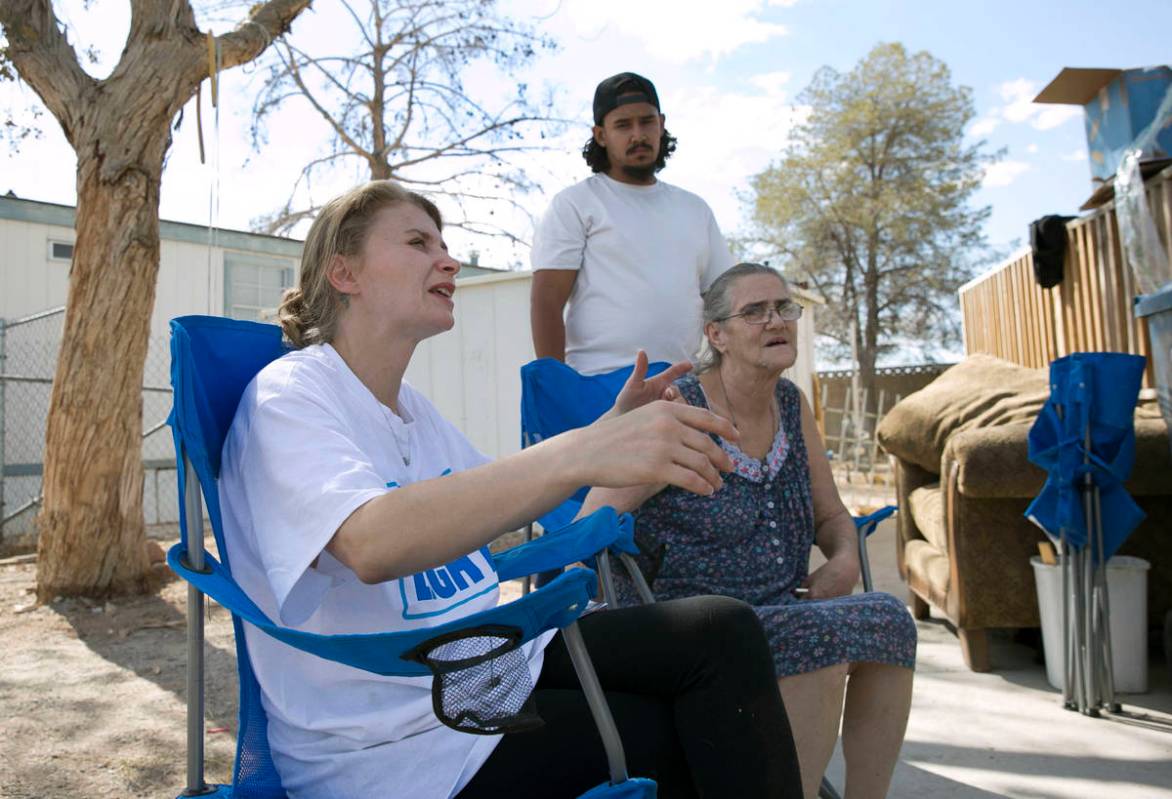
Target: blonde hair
{"points": [[718, 306], [309, 312]]}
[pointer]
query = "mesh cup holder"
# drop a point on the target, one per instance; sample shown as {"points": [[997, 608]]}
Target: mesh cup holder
{"points": [[481, 680]]}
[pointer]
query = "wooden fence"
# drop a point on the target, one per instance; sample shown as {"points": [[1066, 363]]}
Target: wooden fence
{"points": [[1007, 314]]}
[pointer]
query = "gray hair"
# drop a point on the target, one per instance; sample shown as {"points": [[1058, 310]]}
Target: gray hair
{"points": [[718, 305]]}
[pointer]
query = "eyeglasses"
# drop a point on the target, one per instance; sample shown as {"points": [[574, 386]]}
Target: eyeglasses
{"points": [[762, 313]]}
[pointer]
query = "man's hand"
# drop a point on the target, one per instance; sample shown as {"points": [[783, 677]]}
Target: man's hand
{"points": [[640, 389]]}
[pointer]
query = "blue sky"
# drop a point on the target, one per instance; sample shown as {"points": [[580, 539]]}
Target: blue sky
{"points": [[727, 72]]}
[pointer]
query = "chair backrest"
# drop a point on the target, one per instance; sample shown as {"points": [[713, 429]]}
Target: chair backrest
{"points": [[212, 361], [556, 398]]}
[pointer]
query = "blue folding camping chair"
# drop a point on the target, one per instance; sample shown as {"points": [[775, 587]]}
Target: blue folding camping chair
{"points": [[212, 361], [556, 398], [1084, 437]]}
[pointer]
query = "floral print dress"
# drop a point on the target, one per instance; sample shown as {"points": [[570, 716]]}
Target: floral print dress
{"points": [[751, 540]]}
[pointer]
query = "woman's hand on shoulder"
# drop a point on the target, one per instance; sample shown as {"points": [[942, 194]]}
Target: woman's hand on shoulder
{"points": [[662, 442], [640, 389]]}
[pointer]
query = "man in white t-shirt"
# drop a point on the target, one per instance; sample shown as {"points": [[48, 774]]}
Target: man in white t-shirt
{"points": [[629, 253]]}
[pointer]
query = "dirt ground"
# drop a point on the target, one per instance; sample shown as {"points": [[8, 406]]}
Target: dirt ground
{"points": [[92, 694]]}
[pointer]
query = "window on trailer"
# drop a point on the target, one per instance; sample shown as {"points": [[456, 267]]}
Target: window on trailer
{"points": [[253, 285]]}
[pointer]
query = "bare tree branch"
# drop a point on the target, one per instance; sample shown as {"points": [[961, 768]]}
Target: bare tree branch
{"points": [[265, 23], [45, 59], [401, 105]]}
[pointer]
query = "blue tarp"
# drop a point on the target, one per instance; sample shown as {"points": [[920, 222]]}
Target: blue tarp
{"points": [[1098, 390]]}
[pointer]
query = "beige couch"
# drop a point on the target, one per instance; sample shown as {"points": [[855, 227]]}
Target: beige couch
{"points": [[963, 481]]}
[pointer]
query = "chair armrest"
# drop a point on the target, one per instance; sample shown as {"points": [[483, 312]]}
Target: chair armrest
{"points": [[908, 477], [865, 525], [554, 605], [579, 541], [993, 462]]}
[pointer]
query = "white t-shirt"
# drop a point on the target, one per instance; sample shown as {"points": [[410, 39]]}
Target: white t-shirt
{"points": [[308, 446], [643, 255]]}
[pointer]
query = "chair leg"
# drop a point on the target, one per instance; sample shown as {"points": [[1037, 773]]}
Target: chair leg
{"points": [[527, 580], [919, 606], [974, 645]]}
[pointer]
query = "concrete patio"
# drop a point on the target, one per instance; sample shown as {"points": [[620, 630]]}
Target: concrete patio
{"points": [[1004, 733]]}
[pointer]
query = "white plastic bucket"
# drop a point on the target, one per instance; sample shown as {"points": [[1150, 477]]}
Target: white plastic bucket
{"points": [[1127, 588]]}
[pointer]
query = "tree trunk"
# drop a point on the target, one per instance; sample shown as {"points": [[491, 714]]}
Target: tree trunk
{"points": [[91, 524], [866, 366], [869, 334]]}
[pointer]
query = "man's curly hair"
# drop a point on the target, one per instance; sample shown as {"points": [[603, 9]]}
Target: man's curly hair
{"points": [[599, 161]]}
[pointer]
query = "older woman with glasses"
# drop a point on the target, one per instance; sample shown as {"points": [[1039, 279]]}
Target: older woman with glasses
{"points": [[752, 540]]}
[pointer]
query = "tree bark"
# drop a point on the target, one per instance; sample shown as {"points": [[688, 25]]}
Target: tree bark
{"points": [[869, 335], [91, 526]]}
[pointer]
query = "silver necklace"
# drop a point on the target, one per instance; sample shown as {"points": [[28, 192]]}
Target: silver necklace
{"points": [[772, 406]]}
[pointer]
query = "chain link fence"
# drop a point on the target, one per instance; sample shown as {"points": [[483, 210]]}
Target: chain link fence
{"points": [[28, 361]]}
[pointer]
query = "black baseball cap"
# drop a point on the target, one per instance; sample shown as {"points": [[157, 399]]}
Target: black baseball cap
{"points": [[621, 89]]}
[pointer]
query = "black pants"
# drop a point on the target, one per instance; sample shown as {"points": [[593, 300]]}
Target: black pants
{"points": [[692, 689]]}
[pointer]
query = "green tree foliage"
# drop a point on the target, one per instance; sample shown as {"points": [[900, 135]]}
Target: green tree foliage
{"points": [[871, 202]]}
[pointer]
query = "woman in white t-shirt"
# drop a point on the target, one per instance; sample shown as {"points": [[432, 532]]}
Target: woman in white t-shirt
{"points": [[351, 506]]}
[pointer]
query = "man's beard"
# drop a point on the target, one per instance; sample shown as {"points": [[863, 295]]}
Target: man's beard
{"points": [[639, 172]]}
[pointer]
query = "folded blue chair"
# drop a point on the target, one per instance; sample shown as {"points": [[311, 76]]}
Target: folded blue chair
{"points": [[213, 360], [1084, 437]]}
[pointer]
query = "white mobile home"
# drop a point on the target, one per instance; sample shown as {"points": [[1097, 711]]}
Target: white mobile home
{"points": [[223, 272]]}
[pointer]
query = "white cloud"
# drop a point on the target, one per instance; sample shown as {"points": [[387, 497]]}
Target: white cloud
{"points": [[1018, 96], [726, 138], [1020, 107], [983, 127], [689, 31], [1003, 173], [1052, 116], [770, 82], [1077, 155], [1031, 148]]}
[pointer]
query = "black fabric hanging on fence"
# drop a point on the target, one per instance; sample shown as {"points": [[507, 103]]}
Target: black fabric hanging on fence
{"points": [[1048, 242]]}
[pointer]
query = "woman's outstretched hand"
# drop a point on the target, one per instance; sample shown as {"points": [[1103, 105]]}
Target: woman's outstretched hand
{"points": [[640, 389], [660, 442]]}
